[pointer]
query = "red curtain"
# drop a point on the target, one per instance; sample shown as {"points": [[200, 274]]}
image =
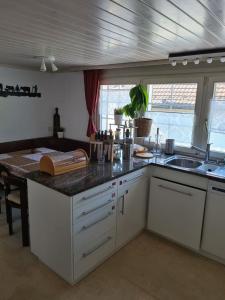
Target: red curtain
{"points": [[92, 86]]}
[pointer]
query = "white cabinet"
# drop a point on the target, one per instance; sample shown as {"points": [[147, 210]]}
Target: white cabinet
{"points": [[213, 240], [176, 211], [73, 235], [94, 227], [131, 206]]}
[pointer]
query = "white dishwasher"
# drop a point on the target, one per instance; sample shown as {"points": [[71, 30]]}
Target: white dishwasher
{"points": [[176, 211], [213, 240]]}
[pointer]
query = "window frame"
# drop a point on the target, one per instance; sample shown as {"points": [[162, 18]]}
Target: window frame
{"points": [[204, 94], [114, 81], [209, 84], [196, 134]]}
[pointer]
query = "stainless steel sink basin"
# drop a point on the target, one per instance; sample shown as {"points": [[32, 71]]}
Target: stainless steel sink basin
{"points": [[184, 162]]}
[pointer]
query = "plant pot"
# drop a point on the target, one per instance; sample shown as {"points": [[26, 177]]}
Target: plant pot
{"points": [[118, 119], [143, 126], [60, 134]]}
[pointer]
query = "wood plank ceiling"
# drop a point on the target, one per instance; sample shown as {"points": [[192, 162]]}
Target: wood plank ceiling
{"points": [[84, 33]]}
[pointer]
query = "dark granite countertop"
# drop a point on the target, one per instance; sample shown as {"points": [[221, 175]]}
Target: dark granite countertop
{"points": [[83, 179], [95, 174]]}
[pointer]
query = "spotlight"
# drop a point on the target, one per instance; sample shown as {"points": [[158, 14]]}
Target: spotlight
{"points": [[173, 63], [222, 59], [209, 60], [197, 61], [184, 62], [53, 66], [43, 66]]}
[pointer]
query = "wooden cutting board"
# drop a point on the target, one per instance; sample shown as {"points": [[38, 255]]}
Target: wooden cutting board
{"points": [[145, 155]]}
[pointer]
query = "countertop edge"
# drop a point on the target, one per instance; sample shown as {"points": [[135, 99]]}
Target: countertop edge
{"points": [[207, 175]]}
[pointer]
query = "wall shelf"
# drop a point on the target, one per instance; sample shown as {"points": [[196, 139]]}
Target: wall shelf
{"points": [[19, 94]]}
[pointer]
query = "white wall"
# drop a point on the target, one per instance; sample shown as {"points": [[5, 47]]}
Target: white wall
{"points": [[74, 113], [24, 117]]}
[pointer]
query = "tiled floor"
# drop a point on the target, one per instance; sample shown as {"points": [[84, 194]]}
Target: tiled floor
{"points": [[147, 268]]}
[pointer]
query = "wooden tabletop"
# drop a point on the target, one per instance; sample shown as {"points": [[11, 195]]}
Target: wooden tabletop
{"points": [[22, 162]]}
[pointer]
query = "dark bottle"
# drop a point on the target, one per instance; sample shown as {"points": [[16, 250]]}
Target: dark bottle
{"points": [[99, 135], [105, 135], [110, 134], [102, 135], [56, 122], [96, 135], [127, 133]]}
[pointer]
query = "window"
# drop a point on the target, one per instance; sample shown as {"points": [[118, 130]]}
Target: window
{"points": [[172, 109], [111, 97], [171, 106], [216, 122]]}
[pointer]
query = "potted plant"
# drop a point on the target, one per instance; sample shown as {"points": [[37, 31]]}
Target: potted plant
{"points": [[118, 115], [137, 108], [60, 133]]}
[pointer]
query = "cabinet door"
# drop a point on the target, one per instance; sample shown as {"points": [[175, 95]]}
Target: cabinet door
{"points": [[213, 240], [176, 211], [131, 209]]}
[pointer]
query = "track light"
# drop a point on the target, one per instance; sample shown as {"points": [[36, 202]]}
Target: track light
{"points": [[53, 66], [197, 56], [44, 59], [173, 63], [209, 60], [43, 66], [197, 61]]}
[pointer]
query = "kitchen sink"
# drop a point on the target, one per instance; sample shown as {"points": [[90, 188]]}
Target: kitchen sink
{"points": [[184, 162]]}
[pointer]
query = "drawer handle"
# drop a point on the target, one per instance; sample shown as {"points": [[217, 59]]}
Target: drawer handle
{"points": [[174, 190], [85, 227], [132, 179], [218, 189], [123, 204], [85, 254], [84, 213], [96, 194]]}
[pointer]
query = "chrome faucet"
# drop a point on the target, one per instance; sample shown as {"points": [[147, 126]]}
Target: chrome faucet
{"points": [[206, 151]]}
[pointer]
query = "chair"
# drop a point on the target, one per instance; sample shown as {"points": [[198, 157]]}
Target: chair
{"points": [[16, 198], [3, 172]]}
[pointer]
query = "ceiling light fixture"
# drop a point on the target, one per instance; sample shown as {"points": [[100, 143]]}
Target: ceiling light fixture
{"points": [[43, 65], [52, 62], [209, 60], [197, 56], [173, 63], [197, 61]]}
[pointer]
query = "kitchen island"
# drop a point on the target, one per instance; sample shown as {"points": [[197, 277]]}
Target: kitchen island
{"points": [[79, 219]]}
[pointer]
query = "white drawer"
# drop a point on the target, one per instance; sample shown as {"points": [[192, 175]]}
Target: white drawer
{"points": [[94, 252], [97, 192], [95, 224], [132, 177], [93, 205]]}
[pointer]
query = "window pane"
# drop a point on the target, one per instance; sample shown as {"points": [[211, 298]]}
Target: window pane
{"points": [[172, 107], [217, 118], [111, 97]]}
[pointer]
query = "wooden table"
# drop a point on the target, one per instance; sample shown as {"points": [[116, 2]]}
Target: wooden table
{"points": [[20, 163]]}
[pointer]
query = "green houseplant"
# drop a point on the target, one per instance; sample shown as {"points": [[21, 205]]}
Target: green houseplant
{"points": [[137, 108], [118, 115]]}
